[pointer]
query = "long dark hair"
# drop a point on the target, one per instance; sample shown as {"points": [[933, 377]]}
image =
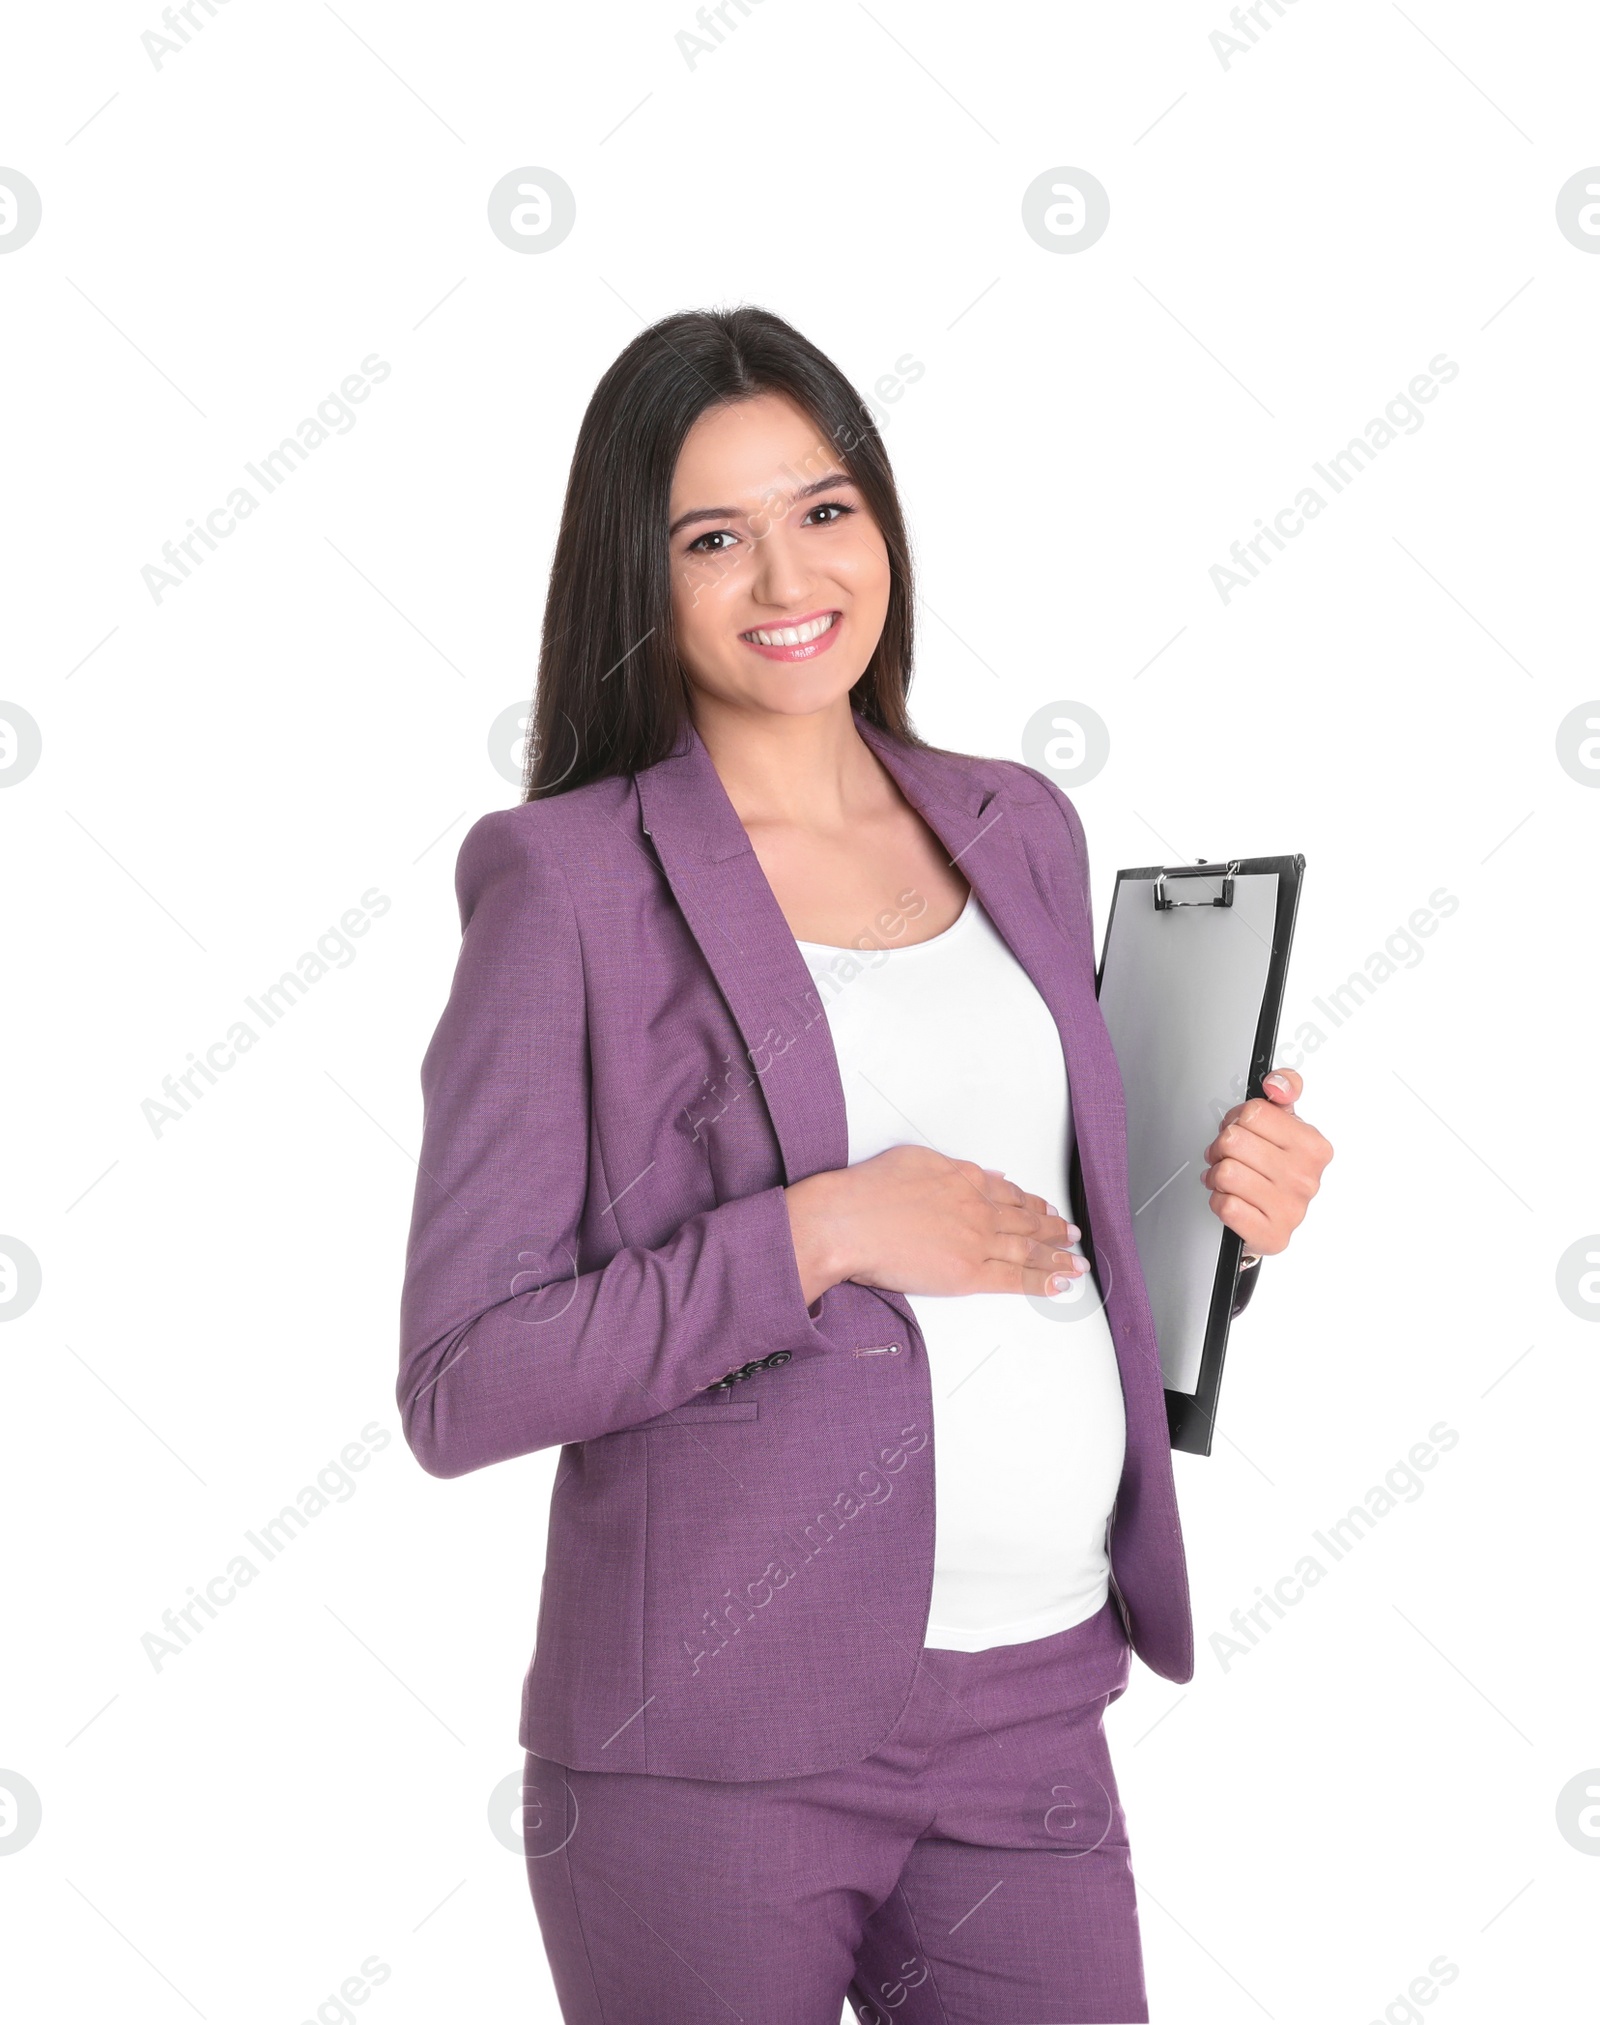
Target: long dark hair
{"points": [[612, 697]]}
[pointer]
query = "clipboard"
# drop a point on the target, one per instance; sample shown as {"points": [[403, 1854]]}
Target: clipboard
{"points": [[1190, 985]]}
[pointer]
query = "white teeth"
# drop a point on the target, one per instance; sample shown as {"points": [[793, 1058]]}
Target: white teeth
{"points": [[791, 636]]}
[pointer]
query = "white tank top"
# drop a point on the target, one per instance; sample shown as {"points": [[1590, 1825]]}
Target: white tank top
{"points": [[948, 1044]]}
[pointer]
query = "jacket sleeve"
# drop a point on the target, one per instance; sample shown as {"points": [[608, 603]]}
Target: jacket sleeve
{"points": [[509, 1341]]}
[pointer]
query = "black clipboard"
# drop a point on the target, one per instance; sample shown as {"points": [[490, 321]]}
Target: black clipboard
{"points": [[1192, 1367]]}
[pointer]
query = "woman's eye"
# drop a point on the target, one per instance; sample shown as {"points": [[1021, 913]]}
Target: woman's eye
{"points": [[712, 543]]}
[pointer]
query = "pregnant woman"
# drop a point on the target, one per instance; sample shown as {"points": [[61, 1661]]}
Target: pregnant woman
{"points": [[773, 1167]]}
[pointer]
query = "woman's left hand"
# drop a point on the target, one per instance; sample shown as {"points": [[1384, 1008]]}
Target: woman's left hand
{"points": [[1265, 1165]]}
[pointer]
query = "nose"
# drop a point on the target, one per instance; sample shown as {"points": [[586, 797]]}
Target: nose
{"points": [[782, 578]]}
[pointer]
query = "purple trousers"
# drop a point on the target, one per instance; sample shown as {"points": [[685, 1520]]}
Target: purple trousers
{"points": [[972, 1870]]}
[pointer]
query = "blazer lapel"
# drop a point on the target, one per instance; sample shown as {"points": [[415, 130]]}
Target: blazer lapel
{"points": [[733, 914]]}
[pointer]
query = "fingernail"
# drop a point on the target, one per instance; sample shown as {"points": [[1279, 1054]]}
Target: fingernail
{"points": [[1057, 1283], [1278, 1083], [1073, 1232]]}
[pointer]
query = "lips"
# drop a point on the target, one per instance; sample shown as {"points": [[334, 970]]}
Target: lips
{"points": [[800, 640]]}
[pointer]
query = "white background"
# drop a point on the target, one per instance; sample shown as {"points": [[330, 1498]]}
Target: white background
{"points": [[1293, 237]]}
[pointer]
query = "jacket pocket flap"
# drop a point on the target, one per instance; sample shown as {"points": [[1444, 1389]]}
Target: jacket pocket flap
{"points": [[697, 1413]]}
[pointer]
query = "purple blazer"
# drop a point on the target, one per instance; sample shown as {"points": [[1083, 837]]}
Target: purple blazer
{"points": [[632, 1065]]}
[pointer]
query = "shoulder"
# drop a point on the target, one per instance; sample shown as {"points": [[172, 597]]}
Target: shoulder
{"points": [[1039, 790], [1021, 787], [539, 846]]}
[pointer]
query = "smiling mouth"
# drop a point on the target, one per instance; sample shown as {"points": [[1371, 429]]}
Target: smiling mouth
{"points": [[791, 636]]}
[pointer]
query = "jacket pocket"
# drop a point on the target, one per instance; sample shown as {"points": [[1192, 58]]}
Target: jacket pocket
{"points": [[695, 1415]]}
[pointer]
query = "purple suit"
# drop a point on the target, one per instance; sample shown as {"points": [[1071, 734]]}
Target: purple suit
{"points": [[632, 1065]]}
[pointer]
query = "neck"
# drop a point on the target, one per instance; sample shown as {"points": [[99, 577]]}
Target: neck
{"points": [[810, 770]]}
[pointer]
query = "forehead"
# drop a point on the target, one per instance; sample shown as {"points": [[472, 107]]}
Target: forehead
{"points": [[743, 451]]}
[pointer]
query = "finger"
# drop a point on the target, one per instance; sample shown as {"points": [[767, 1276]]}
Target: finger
{"points": [[1031, 1208], [1248, 1150], [1024, 1223], [1296, 1169], [1043, 1215], [1052, 1258], [1001, 1276], [1013, 1251], [1269, 1197], [1047, 1282], [1247, 1220], [1259, 1115], [1290, 1176], [1283, 1087]]}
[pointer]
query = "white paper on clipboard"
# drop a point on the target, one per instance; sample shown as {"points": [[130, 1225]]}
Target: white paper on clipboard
{"points": [[1182, 990]]}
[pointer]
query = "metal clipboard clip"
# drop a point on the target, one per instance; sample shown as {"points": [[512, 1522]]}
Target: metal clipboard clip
{"points": [[1201, 871]]}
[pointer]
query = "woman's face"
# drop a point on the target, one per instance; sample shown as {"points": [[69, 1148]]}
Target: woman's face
{"points": [[769, 534]]}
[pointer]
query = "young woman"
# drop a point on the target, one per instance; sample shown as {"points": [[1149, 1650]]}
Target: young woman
{"points": [[770, 1077]]}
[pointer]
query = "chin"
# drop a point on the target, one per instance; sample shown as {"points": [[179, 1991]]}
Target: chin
{"points": [[789, 693]]}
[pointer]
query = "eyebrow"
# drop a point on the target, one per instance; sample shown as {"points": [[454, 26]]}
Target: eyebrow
{"points": [[825, 484]]}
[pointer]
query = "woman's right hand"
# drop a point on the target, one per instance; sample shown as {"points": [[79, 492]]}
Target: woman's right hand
{"points": [[918, 1222]]}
